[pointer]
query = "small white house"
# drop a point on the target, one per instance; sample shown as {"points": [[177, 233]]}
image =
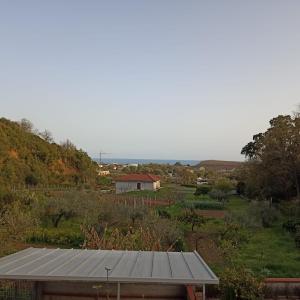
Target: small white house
{"points": [[201, 181], [137, 182]]}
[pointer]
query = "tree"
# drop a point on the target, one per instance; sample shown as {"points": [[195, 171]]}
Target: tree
{"points": [[203, 189], [239, 283], [68, 145], [274, 158], [191, 217], [26, 125], [17, 220], [222, 189], [47, 136], [57, 207]]}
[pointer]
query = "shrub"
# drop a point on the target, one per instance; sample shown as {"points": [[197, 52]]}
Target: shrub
{"points": [[163, 213], [61, 237], [203, 189], [208, 205], [205, 205], [31, 179], [238, 283], [291, 225]]}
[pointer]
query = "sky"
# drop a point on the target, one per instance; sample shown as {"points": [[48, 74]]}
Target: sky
{"points": [[161, 79]]}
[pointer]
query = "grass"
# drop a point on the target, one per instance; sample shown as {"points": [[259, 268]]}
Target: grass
{"points": [[171, 191], [270, 251], [237, 204]]}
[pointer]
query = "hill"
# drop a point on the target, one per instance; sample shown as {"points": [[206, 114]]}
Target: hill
{"points": [[27, 158], [219, 165]]}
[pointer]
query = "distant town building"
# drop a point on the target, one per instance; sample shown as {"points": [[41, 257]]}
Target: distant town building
{"points": [[201, 181], [137, 182], [103, 173]]}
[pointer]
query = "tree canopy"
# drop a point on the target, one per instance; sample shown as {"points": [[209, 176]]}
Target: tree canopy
{"points": [[273, 169]]}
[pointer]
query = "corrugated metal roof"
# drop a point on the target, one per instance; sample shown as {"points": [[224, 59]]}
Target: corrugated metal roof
{"points": [[90, 265]]}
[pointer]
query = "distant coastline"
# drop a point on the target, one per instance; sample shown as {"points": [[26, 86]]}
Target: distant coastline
{"points": [[142, 161]]}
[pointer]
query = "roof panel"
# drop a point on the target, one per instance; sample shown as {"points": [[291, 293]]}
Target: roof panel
{"points": [[91, 265], [143, 266], [178, 266], [161, 265]]}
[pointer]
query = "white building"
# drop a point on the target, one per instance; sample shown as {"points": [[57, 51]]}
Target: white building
{"points": [[201, 181], [104, 173], [137, 182]]}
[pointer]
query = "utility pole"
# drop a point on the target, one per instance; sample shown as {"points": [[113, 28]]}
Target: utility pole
{"points": [[100, 156]]}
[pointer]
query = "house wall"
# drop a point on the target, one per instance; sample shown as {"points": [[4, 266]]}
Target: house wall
{"points": [[123, 187], [85, 291]]}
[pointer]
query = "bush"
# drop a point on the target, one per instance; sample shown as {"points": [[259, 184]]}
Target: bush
{"points": [[205, 205], [31, 179], [238, 283], [291, 225], [203, 190], [64, 237], [208, 205], [163, 213]]}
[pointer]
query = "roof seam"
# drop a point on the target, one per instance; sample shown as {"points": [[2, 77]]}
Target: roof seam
{"points": [[170, 266], [50, 261], [186, 263], [60, 266], [118, 261], [82, 263], [100, 263], [32, 261], [22, 257], [135, 262], [152, 264]]}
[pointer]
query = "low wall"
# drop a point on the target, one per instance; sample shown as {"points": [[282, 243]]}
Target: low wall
{"points": [[282, 288]]}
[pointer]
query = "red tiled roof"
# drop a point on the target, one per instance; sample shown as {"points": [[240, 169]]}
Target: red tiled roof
{"points": [[139, 177]]}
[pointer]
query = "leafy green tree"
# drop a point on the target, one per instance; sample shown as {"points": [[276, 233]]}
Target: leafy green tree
{"points": [[274, 159], [222, 189], [203, 189], [239, 283], [191, 217], [58, 207]]}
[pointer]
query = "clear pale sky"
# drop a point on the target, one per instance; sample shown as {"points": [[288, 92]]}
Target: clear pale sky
{"points": [[150, 79]]}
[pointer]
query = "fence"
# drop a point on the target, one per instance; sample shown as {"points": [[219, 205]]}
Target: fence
{"points": [[16, 290], [138, 201]]}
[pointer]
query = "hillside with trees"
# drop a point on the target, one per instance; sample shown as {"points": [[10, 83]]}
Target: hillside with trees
{"points": [[29, 157]]}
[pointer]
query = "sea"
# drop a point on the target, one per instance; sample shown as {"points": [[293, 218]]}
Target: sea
{"points": [[142, 161]]}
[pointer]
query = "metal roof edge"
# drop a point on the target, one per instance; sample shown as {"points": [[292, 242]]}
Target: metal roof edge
{"points": [[104, 279], [206, 266]]}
